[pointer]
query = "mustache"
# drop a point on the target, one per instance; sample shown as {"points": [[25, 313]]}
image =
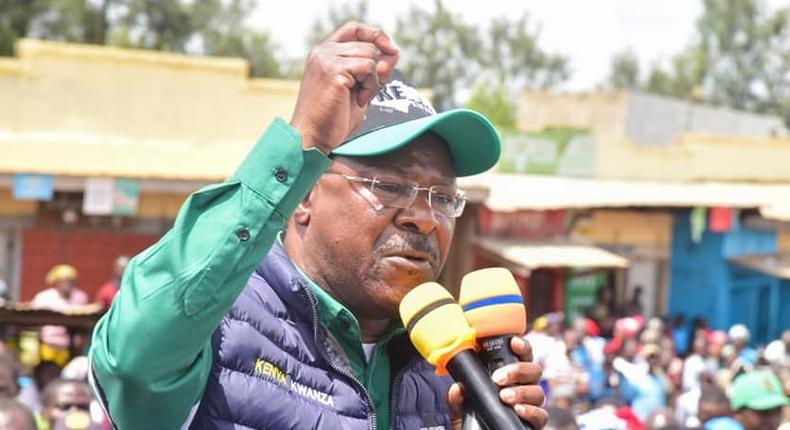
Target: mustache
{"points": [[410, 242]]}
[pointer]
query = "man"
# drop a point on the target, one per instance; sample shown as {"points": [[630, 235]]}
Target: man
{"points": [[714, 410], [63, 398], [15, 416], [107, 292], [757, 400], [739, 336], [62, 296], [308, 337]]}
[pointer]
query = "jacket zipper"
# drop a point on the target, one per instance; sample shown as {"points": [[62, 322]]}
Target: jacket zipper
{"points": [[395, 392], [368, 400]]}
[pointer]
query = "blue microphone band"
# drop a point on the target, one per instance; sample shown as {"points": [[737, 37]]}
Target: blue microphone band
{"points": [[496, 300]]}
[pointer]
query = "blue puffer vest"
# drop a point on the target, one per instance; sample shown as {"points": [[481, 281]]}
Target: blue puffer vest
{"points": [[275, 368]]}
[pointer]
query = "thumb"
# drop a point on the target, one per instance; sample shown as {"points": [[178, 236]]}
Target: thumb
{"points": [[455, 401]]}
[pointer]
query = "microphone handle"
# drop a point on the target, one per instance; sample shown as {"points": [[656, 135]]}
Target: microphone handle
{"points": [[482, 394], [495, 352]]}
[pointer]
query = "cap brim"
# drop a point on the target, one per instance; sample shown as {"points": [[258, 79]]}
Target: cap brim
{"points": [[471, 138], [767, 402]]}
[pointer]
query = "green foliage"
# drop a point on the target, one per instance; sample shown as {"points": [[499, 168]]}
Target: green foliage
{"points": [[494, 103], [624, 74], [740, 59], [338, 15], [441, 51], [438, 50], [211, 27]]}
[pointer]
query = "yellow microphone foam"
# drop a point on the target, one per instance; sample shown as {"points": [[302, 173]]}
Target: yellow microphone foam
{"points": [[436, 324], [492, 302]]}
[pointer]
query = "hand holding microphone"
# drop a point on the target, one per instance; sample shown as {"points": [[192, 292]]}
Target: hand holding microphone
{"points": [[442, 335]]}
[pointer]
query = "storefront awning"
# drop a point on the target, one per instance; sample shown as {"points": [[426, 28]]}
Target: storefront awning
{"points": [[534, 256], [776, 265], [511, 192]]}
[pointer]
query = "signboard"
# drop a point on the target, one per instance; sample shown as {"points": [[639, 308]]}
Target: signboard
{"points": [[104, 196], [125, 196], [33, 187], [581, 289], [525, 224], [554, 151]]}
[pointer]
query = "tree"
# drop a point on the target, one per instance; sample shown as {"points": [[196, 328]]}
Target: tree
{"points": [[512, 53], [438, 50], [624, 73], [740, 59], [495, 104], [338, 15], [210, 27]]}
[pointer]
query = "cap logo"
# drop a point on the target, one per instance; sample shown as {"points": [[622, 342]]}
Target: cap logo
{"points": [[398, 95]]}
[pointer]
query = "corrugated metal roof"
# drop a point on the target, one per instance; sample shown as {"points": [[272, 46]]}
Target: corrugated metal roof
{"points": [[534, 256], [510, 192]]}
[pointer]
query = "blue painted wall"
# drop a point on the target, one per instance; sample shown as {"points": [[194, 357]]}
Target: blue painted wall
{"points": [[703, 283]]}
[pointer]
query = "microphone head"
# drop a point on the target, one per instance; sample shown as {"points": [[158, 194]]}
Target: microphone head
{"points": [[492, 302], [436, 324]]}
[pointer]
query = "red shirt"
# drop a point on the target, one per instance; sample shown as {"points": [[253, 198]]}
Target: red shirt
{"points": [[106, 293]]}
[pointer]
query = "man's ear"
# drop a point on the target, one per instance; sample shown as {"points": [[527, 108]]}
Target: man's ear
{"points": [[301, 215]]}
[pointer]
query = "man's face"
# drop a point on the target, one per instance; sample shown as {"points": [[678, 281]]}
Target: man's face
{"points": [[709, 410], [368, 258], [64, 287], [69, 397], [759, 420]]}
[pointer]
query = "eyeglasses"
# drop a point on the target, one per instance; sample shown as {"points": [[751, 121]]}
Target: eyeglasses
{"points": [[397, 192]]}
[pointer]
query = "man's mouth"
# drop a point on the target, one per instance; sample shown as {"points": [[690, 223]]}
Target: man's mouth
{"points": [[417, 259]]}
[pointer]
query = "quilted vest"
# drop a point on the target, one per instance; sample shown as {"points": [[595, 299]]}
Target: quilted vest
{"points": [[275, 368]]}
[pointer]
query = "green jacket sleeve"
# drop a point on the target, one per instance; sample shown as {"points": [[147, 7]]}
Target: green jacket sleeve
{"points": [[151, 352]]}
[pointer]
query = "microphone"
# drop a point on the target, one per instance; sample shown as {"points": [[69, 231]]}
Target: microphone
{"points": [[494, 307], [441, 334]]}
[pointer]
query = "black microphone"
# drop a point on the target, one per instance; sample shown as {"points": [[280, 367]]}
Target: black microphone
{"points": [[439, 331], [494, 307]]}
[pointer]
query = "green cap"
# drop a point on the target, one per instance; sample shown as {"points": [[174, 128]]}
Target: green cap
{"points": [[399, 114], [758, 390]]}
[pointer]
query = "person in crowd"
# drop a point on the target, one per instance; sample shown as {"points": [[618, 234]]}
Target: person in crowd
{"points": [[662, 419], [714, 410], [561, 419], [696, 363], [681, 334], [739, 337], [61, 398], [273, 300], [109, 289], [15, 416], [61, 296], [539, 340], [647, 381], [9, 375], [757, 399]]}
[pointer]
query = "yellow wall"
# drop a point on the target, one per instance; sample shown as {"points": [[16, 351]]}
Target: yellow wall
{"points": [[691, 157], [136, 113]]}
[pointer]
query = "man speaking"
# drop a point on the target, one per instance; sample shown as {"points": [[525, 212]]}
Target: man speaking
{"points": [[272, 303]]}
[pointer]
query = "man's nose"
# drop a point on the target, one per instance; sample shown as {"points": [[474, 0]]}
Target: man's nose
{"points": [[419, 216]]}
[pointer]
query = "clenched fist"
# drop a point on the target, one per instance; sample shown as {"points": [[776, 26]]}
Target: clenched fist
{"points": [[341, 77]]}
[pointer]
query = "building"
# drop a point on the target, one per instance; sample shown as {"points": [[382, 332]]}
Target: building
{"points": [[100, 146]]}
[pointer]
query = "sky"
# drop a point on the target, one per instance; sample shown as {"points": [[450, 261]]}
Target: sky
{"points": [[588, 32]]}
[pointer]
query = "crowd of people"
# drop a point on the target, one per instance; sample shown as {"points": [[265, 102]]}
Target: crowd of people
{"points": [[50, 391], [634, 373]]}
